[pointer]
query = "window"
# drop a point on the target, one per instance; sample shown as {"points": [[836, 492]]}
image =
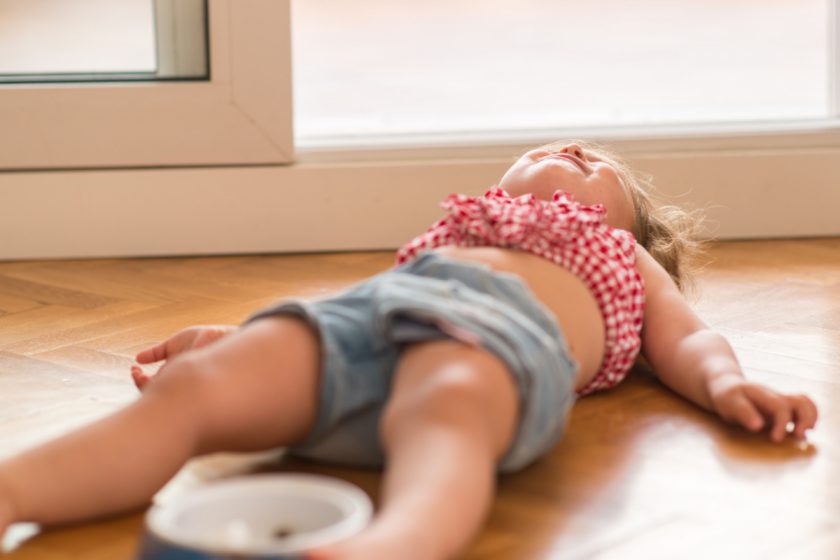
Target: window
{"points": [[467, 67], [209, 163], [50, 41], [188, 108]]}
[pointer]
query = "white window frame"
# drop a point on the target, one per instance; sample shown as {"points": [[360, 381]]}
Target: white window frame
{"points": [[775, 179], [242, 115]]}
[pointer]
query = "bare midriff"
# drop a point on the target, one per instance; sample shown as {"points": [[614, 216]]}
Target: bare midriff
{"points": [[561, 292]]}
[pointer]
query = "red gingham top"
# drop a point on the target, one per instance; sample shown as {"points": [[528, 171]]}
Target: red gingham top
{"points": [[567, 233]]}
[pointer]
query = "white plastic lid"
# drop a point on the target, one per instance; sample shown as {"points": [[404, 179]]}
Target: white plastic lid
{"points": [[263, 515]]}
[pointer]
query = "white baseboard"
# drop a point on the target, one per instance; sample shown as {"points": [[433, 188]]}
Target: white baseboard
{"points": [[364, 206]]}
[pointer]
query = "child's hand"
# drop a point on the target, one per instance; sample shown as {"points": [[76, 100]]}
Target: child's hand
{"points": [[182, 341], [754, 406]]}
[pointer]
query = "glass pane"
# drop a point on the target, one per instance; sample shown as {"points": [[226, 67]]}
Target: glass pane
{"points": [[82, 40], [375, 67]]}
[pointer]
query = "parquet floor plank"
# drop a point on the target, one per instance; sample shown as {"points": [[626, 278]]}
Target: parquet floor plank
{"points": [[639, 474]]}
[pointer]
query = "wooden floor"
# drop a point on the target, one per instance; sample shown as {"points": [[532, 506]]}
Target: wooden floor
{"points": [[640, 474]]}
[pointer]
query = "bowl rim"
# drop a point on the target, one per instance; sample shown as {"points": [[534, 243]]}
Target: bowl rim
{"points": [[350, 499]]}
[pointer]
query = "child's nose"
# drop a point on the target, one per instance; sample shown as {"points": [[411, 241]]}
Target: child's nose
{"points": [[574, 150]]}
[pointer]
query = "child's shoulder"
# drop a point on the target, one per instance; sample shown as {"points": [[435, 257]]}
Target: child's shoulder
{"points": [[655, 277]]}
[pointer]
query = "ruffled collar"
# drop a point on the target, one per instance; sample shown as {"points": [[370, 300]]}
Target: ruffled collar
{"points": [[497, 216]]}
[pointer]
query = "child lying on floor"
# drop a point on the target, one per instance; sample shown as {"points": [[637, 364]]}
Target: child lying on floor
{"points": [[462, 361]]}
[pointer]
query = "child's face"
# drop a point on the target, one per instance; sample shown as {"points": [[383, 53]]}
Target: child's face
{"points": [[581, 173]]}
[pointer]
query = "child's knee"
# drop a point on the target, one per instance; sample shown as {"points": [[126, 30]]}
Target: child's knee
{"points": [[465, 387]]}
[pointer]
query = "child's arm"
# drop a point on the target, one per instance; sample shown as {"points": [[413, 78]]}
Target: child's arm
{"points": [[700, 365]]}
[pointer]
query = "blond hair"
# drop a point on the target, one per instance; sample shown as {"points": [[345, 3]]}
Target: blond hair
{"points": [[667, 232]]}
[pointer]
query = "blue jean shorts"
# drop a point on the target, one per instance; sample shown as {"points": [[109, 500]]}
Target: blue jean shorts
{"points": [[364, 329]]}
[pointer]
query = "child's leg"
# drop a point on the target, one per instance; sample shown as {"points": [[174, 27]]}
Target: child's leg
{"points": [[451, 416], [255, 389]]}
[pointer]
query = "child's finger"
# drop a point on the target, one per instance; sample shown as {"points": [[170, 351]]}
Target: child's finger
{"points": [[805, 415], [740, 410], [782, 417], [139, 377], [773, 405], [170, 347], [153, 354]]}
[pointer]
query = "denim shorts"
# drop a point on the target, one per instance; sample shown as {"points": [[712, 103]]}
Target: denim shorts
{"points": [[364, 329]]}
